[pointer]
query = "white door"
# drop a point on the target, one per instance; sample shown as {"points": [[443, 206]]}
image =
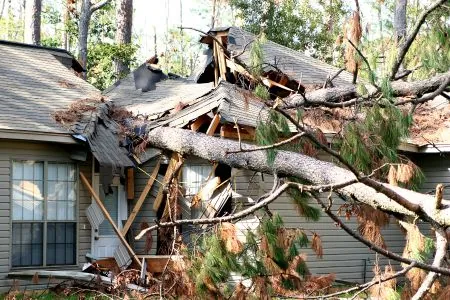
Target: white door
{"points": [[105, 240]]}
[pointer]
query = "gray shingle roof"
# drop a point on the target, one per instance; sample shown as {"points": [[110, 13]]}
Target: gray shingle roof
{"points": [[295, 64], [157, 102], [33, 85]]}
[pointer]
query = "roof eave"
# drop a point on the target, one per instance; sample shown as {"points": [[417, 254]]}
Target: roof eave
{"points": [[37, 136]]}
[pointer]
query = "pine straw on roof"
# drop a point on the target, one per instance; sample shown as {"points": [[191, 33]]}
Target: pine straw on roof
{"points": [[77, 108], [431, 124]]}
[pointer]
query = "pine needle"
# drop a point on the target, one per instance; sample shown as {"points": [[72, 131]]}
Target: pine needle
{"points": [[229, 237], [316, 245]]}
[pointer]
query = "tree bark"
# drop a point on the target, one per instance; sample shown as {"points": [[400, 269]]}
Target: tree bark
{"points": [[298, 165], [349, 92], [87, 9], [33, 22], [400, 20], [83, 31], [124, 18]]}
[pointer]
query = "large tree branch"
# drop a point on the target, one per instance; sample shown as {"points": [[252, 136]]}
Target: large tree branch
{"points": [[338, 95], [98, 5], [315, 171], [274, 194], [410, 39]]}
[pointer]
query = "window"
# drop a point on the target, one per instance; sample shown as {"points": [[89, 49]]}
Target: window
{"points": [[194, 177], [43, 213]]}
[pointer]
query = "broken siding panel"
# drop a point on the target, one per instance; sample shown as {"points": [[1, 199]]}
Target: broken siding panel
{"points": [[33, 151]]}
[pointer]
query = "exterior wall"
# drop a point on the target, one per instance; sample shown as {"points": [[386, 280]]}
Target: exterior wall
{"points": [[349, 259], [146, 213], [35, 151]]}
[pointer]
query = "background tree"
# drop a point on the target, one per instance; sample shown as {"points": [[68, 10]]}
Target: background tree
{"points": [[87, 9], [33, 21], [124, 19], [297, 24]]}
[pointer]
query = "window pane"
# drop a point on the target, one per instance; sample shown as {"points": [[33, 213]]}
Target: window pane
{"points": [[38, 171], [27, 244], [62, 172], [17, 170], [28, 207], [17, 190], [61, 190], [16, 255], [60, 233], [70, 254], [71, 171], [28, 170], [17, 210], [51, 254], [51, 186], [52, 171], [38, 190], [61, 245], [51, 233], [71, 191], [61, 212], [51, 210], [71, 210], [38, 210], [36, 255]]}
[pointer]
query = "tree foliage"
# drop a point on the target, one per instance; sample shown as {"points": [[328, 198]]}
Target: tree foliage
{"points": [[298, 24]]}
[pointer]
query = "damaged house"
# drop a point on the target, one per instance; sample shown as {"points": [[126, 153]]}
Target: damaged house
{"points": [[79, 179]]}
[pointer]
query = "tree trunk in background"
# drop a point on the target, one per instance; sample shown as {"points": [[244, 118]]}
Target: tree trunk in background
{"points": [[124, 19], [83, 31], [400, 20], [33, 22]]}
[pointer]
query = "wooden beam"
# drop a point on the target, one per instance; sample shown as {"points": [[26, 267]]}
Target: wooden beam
{"points": [[108, 217], [130, 183], [213, 126], [203, 119], [222, 61], [170, 169], [267, 82], [228, 131], [142, 197], [216, 64], [157, 263]]}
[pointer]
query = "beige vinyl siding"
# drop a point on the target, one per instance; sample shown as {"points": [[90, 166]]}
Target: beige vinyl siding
{"points": [[343, 255], [10, 150], [146, 213]]}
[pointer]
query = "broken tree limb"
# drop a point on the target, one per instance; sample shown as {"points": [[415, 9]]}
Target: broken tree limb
{"points": [[298, 165], [170, 168], [141, 199], [341, 94], [108, 217]]}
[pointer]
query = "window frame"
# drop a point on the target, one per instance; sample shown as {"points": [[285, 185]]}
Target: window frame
{"points": [[45, 160]]}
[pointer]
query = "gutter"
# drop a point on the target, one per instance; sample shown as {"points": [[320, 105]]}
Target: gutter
{"points": [[37, 136]]}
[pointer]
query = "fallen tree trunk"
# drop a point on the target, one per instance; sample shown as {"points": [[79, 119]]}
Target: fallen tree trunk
{"points": [[298, 165], [349, 92]]}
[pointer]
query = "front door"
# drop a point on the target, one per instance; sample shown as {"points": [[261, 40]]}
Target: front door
{"points": [[105, 240]]}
